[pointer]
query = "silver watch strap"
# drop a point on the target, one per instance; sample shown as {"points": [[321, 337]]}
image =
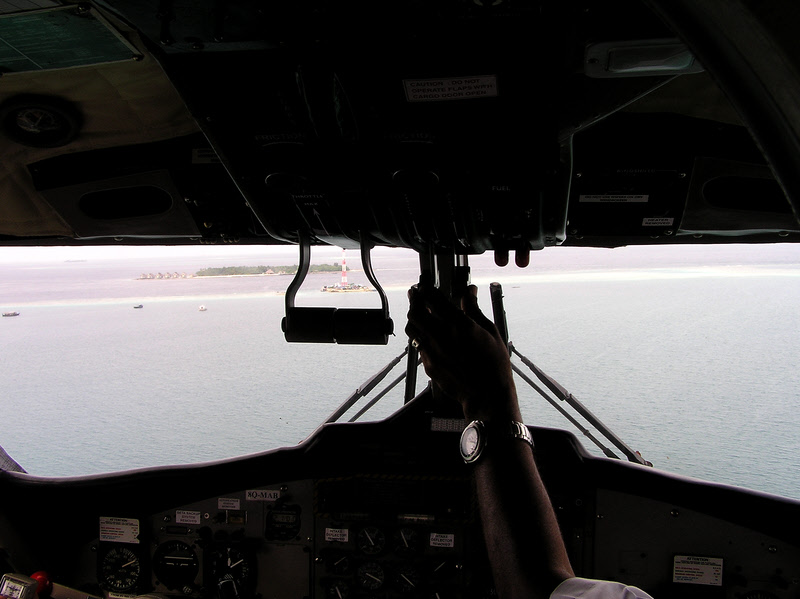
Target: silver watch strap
{"points": [[517, 430]]}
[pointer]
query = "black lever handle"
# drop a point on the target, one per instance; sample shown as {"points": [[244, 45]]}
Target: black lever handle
{"points": [[353, 326]]}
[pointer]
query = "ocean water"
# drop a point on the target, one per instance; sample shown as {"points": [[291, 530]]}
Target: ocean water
{"points": [[689, 354]]}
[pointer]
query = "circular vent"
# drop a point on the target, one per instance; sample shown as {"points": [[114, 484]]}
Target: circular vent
{"points": [[40, 121]]}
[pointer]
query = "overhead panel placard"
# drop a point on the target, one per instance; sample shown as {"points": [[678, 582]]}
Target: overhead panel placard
{"points": [[450, 88], [614, 198]]}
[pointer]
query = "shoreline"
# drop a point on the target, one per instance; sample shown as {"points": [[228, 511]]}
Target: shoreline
{"points": [[195, 277]]}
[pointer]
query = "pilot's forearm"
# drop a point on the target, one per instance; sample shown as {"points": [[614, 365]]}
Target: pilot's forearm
{"points": [[467, 358], [524, 544]]}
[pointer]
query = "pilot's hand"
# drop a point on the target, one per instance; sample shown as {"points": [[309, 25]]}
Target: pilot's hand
{"points": [[463, 353]]}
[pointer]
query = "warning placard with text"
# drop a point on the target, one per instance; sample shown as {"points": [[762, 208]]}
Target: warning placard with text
{"points": [[450, 88], [690, 569]]}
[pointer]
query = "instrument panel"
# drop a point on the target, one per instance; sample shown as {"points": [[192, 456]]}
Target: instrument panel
{"points": [[354, 536]]}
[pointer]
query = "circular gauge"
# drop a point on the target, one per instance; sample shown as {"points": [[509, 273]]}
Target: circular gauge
{"points": [[338, 589], [407, 579], [371, 540], [370, 576], [406, 541], [120, 570], [339, 563], [230, 567], [283, 523], [175, 564], [443, 570]]}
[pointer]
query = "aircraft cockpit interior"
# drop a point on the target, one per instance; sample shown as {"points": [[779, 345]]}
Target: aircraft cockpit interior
{"points": [[453, 129]]}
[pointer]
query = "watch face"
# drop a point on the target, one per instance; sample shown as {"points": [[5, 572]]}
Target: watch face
{"points": [[471, 442]]}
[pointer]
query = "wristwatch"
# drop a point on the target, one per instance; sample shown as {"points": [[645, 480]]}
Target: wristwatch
{"points": [[475, 437]]}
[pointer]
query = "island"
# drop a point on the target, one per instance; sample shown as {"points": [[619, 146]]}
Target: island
{"points": [[243, 271], [233, 271]]}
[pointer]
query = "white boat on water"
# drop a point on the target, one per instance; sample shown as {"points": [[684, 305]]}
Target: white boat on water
{"points": [[10, 313], [202, 309]]}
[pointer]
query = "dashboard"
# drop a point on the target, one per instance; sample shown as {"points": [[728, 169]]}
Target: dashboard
{"points": [[384, 510], [340, 537]]}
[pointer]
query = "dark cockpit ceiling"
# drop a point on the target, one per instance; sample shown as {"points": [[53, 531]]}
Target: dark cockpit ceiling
{"points": [[464, 125]]}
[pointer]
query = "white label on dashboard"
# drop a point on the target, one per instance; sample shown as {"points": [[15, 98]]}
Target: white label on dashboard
{"points": [[228, 503], [187, 517], [614, 198], [263, 495], [119, 530], [689, 569], [339, 535], [443, 540]]}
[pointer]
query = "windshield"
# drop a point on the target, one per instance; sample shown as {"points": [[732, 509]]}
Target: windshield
{"points": [[119, 358]]}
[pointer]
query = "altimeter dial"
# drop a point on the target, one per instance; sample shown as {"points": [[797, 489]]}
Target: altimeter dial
{"points": [[120, 570]]}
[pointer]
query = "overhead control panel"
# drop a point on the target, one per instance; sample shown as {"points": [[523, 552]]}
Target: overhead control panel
{"points": [[467, 126], [363, 134]]}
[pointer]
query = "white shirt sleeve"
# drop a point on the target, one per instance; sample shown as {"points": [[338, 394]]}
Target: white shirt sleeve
{"points": [[585, 588]]}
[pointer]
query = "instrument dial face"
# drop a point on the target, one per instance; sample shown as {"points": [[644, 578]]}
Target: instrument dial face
{"points": [[371, 540], [406, 541], [370, 576], [283, 523], [339, 563], [445, 570], [229, 564], [338, 590], [408, 579], [175, 564], [120, 569]]}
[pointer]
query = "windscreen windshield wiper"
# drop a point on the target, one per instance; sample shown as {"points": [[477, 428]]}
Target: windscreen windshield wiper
{"points": [[562, 394]]}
